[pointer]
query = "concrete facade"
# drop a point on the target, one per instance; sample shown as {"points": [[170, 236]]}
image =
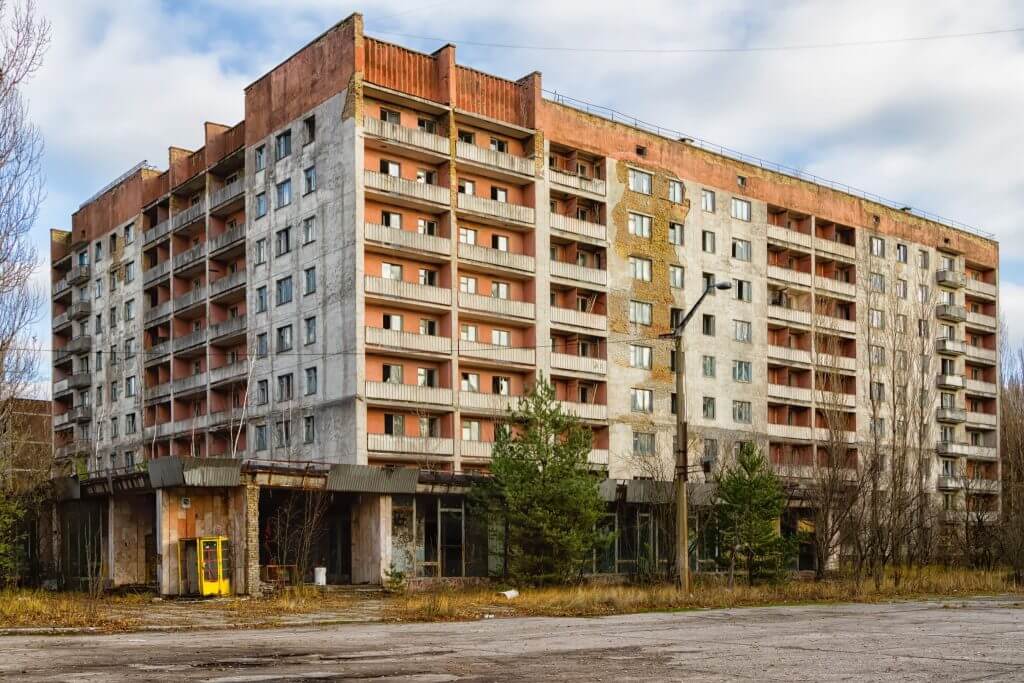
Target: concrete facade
{"points": [[467, 237]]}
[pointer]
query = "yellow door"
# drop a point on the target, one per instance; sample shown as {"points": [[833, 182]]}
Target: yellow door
{"points": [[210, 567]]}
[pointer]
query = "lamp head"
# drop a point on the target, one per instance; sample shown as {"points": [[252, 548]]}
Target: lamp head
{"points": [[724, 285]]}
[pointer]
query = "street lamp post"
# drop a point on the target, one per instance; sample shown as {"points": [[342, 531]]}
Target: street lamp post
{"points": [[682, 448]]}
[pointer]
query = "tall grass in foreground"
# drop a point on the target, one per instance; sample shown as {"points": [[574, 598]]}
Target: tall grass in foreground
{"points": [[21, 608], [708, 592]]}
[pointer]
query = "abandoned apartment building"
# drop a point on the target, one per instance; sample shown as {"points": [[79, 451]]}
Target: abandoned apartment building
{"points": [[332, 303]]}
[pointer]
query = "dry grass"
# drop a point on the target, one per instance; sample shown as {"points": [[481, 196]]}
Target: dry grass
{"points": [[40, 609], [294, 600], [597, 600]]}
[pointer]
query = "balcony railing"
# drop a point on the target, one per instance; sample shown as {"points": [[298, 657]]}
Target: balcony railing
{"points": [[487, 403], [185, 258], [952, 312], [77, 381], [190, 383], [159, 230], [406, 239], [573, 318], [598, 456], [79, 275], [476, 449], [951, 414], [790, 315], [795, 432], [949, 346], [848, 251], [496, 257], [408, 393], [189, 341], [409, 291], [503, 210], [981, 320], [382, 182], [983, 288], [189, 215], [496, 306], [227, 193], [585, 411], [982, 419], [60, 288], [409, 445], [577, 182], [980, 386], [228, 327], [229, 372], [780, 233], [950, 278], [836, 324], [189, 299], [571, 271], [979, 353], [949, 482], [414, 137], [496, 354], [566, 361], [227, 238], [407, 341], [157, 392], [158, 271], [158, 311], [158, 350], [574, 226], [788, 354], [227, 283], [834, 286], [489, 157], [81, 413], [949, 381], [952, 448], [789, 275], [788, 393], [62, 420], [79, 344]]}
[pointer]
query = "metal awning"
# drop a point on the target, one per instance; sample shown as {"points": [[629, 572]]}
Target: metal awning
{"points": [[181, 471], [648, 491], [370, 479]]}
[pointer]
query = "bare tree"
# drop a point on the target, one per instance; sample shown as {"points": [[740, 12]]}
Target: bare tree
{"points": [[1011, 447]]}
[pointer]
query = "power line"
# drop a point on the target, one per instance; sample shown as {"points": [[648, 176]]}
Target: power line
{"points": [[713, 50]]}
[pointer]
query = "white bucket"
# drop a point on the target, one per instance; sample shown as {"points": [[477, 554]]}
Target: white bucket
{"points": [[320, 576]]}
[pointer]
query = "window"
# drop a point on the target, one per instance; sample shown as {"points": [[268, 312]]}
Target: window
{"points": [[499, 242], [283, 241], [639, 181], [426, 227], [901, 323], [877, 282], [740, 209], [426, 176], [308, 429], [877, 246], [283, 290], [922, 258], [707, 201], [707, 241], [262, 392], [877, 391], [129, 386], [923, 293], [675, 277], [640, 312], [467, 236], [311, 381], [468, 332], [98, 324], [426, 377], [309, 325], [129, 233], [741, 412], [261, 205], [642, 400], [129, 348], [501, 386], [467, 187], [470, 382], [428, 276], [640, 356], [744, 290], [498, 145], [901, 253], [467, 284], [901, 288], [284, 338], [708, 324], [282, 433], [707, 364], [876, 355], [260, 158], [261, 299], [284, 387], [262, 345], [742, 331], [129, 272], [428, 327], [741, 371], [640, 268], [640, 225], [283, 145], [499, 194], [708, 408], [129, 309], [114, 422], [471, 430], [741, 250], [284, 193], [675, 234], [675, 191], [643, 443], [392, 373], [259, 251], [501, 338], [499, 290], [309, 128], [309, 280], [309, 230], [467, 136], [309, 180]]}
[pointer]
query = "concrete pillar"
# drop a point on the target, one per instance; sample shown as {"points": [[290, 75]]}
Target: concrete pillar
{"points": [[167, 572], [113, 531], [252, 539], [371, 538]]}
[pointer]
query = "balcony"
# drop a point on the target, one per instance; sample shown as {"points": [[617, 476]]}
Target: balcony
{"points": [[982, 355], [81, 309], [408, 291], [980, 386], [196, 297], [572, 181], [406, 239], [191, 426], [585, 411], [158, 392], [981, 320], [407, 341], [79, 275], [832, 361], [578, 228], [787, 393], [184, 385], [156, 273], [791, 432], [952, 449], [412, 137], [408, 445], [476, 449], [407, 393], [79, 344], [778, 233], [229, 417], [984, 420], [487, 403], [566, 361], [189, 341], [570, 317], [81, 414], [949, 483], [847, 251], [833, 286], [789, 276], [79, 380], [576, 273], [841, 325], [949, 381], [954, 347], [157, 352], [496, 354], [496, 306], [952, 415], [189, 215], [159, 230], [952, 312], [77, 447], [502, 210], [227, 283], [227, 193], [832, 399], [227, 239], [790, 315], [983, 288], [60, 288], [496, 257], [232, 372], [950, 278], [972, 517], [981, 486], [229, 327], [789, 355], [186, 258], [374, 180], [488, 157], [158, 312]]}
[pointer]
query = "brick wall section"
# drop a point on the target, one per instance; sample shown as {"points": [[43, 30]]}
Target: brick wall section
{"points": [[401, 69]]}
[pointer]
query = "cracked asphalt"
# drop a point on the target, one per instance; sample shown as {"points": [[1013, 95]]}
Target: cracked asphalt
{"points": [[951, 640]]}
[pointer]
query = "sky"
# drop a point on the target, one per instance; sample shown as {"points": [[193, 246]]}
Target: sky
{"points": [[933, 124]]}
